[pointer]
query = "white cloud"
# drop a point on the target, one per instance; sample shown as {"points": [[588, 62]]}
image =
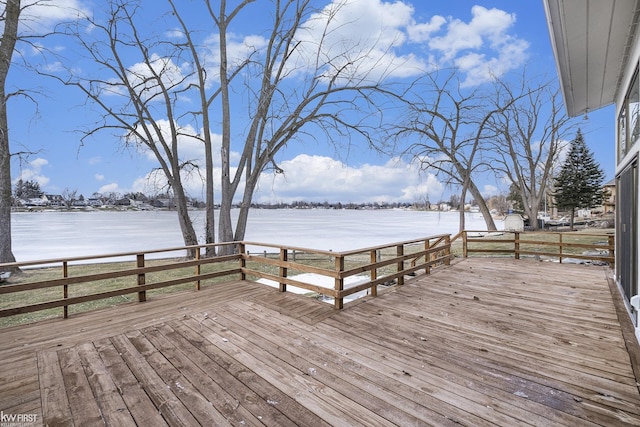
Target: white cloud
{"points": [[361, 38], [99, 177], [486, 24], [421, 32], [319, 178], [141, 76], [111, 188], [33, 172], [377, 39], [175, 33], [490, 190], [481, 49], [190, 148], [40, 16], [316, 178]]}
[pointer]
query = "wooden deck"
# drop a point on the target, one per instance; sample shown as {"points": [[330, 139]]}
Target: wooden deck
{"points": [[483, 342]]}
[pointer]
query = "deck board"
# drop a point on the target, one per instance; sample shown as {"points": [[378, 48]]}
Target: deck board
{"points": [[483, 342]]}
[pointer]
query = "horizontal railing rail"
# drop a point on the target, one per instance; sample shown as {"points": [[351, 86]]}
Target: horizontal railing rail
{"points": [[65, 282], [382, 265], [82, 279], [131, 265], [549, 245]]}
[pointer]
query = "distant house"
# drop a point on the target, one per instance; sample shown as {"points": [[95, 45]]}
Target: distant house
{"points": [[609, 202], [160, 203], [35, 201], [54, 199]]}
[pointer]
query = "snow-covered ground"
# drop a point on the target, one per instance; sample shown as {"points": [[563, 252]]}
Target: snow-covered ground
{"points": [[48, 235], [324, 281]]}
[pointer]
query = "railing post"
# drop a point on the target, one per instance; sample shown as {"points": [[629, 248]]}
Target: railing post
{"points": [[400, 253], [339, 282], [65, 288], [560, 236], [243, 260], [447, 251], [516, 244], [283, 270], [427, 257], [142, 295], [197, 257], [374, 272], [465, 251], [611, 241]]}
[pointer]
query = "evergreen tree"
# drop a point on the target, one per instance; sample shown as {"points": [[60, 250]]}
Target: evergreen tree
{"points": [[29, 189], [579, 184], [515, 196]]}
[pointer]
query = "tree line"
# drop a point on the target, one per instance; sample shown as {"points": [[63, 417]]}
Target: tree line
{"points": [[296, 84]]}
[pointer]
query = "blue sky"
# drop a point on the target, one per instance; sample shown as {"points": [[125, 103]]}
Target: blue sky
{"points": [[496, 36]]}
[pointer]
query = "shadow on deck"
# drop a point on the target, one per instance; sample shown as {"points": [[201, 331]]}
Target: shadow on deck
{"points": [[483, 342]]}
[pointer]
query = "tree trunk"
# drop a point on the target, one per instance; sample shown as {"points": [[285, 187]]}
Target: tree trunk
{"points": [[468, 184], [484, 209], [463, 195], [7, 46], [210, 222], [573, 214], [531, 208], [225, 227], [243, 215], [6, 254], [186, 225]]}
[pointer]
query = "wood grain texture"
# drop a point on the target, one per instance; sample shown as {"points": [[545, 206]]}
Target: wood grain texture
{"points": [[482, 342]]}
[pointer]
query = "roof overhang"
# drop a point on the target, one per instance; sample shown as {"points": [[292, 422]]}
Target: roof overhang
{"points": [[591, 41]]}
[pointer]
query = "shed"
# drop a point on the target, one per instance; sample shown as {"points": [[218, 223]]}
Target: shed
{"points": [[514, 222]]}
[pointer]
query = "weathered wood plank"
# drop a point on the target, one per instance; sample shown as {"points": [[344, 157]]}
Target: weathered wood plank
{"points": [[528, 331], [138, 402], [539, 344], [55, 404], [268, 393], [448, 341], [323, 401], [202, 409], [226, 389], [226, 404], [83, 405], [371, 365], [113, 408], [171, 408], [386, 397]]}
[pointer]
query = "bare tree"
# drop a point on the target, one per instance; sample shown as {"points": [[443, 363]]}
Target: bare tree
{"points": [[138, 98], [21, 24], [10, 19], [447, 129], [297, 87], [530, 135], [68, 197], [292, 87]]}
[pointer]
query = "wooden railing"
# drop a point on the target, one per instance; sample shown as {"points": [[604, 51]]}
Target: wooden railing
{"points": [[382, 265], [542, 245], [139, 285], [139, 272], [83, 280]]}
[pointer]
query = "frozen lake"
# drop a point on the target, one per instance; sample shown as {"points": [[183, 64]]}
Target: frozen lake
{"points": [[47, 235]]}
